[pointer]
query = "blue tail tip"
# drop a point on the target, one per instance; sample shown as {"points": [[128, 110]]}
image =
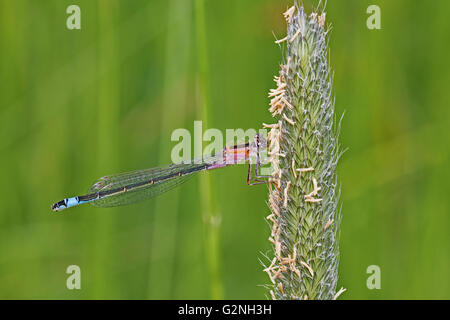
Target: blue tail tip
{"points": [[59, 206]]}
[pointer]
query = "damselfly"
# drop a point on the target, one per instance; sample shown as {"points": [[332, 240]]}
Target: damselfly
{"points": [[127, 188]]}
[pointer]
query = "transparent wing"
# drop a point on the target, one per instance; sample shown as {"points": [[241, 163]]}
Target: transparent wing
{"points": [[133, 195]]}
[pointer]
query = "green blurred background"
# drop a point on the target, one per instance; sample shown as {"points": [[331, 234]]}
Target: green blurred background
{"points": [[78, 104]]}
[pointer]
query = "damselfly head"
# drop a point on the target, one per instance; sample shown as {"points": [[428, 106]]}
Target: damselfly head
{"points": [[260, 141]]}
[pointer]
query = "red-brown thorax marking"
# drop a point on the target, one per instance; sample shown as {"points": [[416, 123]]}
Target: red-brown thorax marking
{"points": [[236, 153]]}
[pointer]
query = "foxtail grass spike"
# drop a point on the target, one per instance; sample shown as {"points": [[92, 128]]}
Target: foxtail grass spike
{"points": [[303, 151]]}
